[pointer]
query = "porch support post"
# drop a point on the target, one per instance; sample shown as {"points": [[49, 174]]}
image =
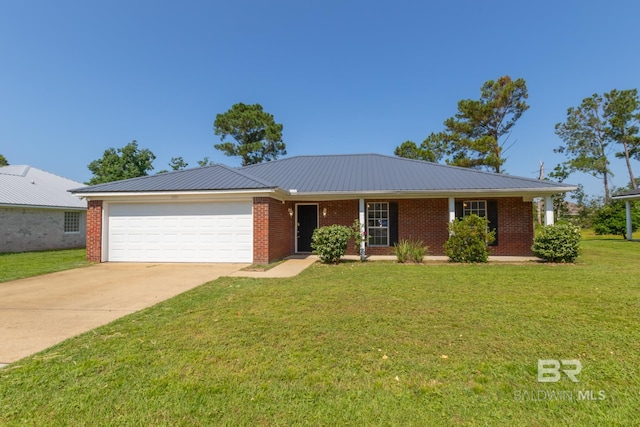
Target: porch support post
{"points": [[452, 209], [362, 229], [627, 205], [548, 210]]}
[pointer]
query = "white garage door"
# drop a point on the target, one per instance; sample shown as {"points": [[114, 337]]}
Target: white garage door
{"points": [[185, 232]]}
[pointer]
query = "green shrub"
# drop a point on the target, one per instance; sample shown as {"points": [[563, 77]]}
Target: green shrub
{"points": [[612, 219], [330, 242], [468, 239], [410, 250], [557, 243]]}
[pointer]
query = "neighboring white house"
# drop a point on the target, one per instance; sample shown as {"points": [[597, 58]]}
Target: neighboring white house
{"points": [[38, 213]]}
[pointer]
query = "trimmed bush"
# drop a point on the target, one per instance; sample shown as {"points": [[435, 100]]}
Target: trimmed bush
{"points": [[410, 250], [330, 242], [468, 239], [557, 243]]}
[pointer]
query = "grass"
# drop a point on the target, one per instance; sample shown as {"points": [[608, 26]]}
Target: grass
{"points": [[357, 344], [26, 264], [263, 267]]}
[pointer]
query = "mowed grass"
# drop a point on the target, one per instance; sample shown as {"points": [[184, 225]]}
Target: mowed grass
{"points": [[26, 264], [357, 344]]}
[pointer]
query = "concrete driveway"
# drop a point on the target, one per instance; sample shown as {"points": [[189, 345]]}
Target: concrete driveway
{"points": [[38, 312]]}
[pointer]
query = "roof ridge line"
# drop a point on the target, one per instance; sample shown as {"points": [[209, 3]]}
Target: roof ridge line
{"points": [[247, 175]]}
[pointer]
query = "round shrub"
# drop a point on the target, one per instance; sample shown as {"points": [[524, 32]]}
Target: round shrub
{"points": [[330, 242], [468, 239], [557, 243]]}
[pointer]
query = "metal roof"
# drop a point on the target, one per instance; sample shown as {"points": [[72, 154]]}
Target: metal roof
{"points": [[357, 173], [375, 172], [22, 185], [631, 194], [215, 177]]}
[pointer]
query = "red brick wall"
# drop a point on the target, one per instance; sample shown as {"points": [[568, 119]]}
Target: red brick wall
{"points": [[273, 230], [427, 220], [94, 231], [515, 227]]}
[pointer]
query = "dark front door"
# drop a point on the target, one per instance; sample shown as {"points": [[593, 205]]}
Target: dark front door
{"points": [[307, 222]]}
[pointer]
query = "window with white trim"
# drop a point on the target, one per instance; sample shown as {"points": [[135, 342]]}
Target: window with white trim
{"points": [[478, 207], [378, 223], [72, 222]]}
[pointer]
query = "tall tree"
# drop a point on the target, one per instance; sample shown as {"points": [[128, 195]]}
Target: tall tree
{"points": [[431, 150], [476, 136], [122, 163], [178, 163], [622, 112], [3, 161], [258, 137], [586, 140], [205, 162]]}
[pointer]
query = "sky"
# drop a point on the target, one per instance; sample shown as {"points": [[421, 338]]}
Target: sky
{"points": [[343, 77]]}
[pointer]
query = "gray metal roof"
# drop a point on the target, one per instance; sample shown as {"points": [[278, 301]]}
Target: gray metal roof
{"points": [[375, 172], [631, 194], [357, 173], [27, 186], [215, 177]]}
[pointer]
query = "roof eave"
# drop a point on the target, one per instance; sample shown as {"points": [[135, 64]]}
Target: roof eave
{"points": [[627, 197], [67, 208], [274, 192], [507, 192]]}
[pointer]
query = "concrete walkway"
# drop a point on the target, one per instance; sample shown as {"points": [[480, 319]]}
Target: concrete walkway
{"points": [[292, 266]]}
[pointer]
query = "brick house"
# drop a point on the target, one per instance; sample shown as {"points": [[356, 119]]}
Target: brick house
{"points": [[37, 212], [262, 213]]}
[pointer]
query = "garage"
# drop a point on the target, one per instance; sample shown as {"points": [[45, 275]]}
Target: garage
{"points": [[180, 232]]}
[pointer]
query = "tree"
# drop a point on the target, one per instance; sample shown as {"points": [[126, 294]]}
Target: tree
{"points": [[611, 219], [586, 140], [429, 150], [3, 161], [123, 163], [258, 137], [622, 112], [205, 162], [178, 163], [473, 138]]}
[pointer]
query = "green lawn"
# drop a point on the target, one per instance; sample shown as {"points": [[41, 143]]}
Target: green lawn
{"points": [[26, 264], [357, 344]]}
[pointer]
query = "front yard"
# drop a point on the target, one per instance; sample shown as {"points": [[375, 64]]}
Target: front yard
{"points": [[357, 344], [26, 264]]}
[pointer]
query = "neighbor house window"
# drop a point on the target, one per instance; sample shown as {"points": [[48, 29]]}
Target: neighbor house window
{"points": [[72, 222], [378, 224], [478, 207]]}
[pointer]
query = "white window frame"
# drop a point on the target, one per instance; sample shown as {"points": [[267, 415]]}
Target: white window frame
{"points": [[380, 220], [478, 207], [71, 222]]}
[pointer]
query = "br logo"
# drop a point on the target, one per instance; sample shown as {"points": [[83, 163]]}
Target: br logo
{"points": [[549, 370]]}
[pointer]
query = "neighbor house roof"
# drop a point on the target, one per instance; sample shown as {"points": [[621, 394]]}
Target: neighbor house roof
{"points": [[336, 174], [631, 194], [26, 186]]}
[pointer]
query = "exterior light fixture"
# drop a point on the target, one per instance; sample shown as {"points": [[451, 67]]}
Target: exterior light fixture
{"points": [[324, 212], [290, 212]]}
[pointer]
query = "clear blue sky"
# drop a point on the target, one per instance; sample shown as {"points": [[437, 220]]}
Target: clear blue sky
{"points": [[78, 77]]}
